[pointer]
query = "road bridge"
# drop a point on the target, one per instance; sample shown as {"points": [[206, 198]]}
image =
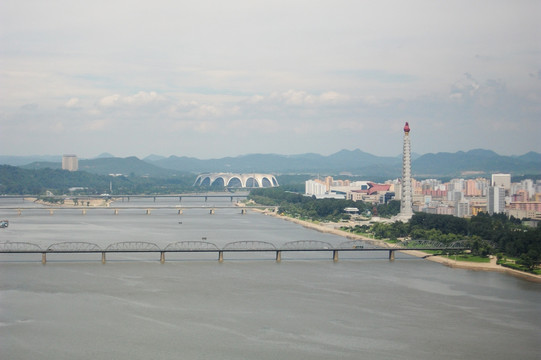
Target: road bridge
{"points": [[203, 246], [127, 197], [115, 210]]}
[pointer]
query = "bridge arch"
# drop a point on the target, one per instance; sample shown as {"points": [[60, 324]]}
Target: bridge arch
{"points": [[191, 246], [249, 245], [423, 244], [75, 246], [132, 246], [19, 247]]}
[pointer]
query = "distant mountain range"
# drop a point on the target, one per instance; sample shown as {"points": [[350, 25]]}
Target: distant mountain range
{"points": [[356, 162]]}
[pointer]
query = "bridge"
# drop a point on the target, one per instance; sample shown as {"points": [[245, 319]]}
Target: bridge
{"points": [[204, 246], [127, 197], [116, 209]]}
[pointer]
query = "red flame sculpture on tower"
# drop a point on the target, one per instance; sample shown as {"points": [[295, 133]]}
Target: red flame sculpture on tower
{"points": [[407, 128]]}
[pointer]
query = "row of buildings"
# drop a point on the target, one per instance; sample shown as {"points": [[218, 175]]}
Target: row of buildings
{"points": [[458, 197]]}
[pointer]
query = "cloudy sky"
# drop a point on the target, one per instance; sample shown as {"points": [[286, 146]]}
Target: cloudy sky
{"points": [[223, 78]]}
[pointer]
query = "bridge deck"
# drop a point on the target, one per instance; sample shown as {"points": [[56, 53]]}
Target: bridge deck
{"points": [[220, 252]]}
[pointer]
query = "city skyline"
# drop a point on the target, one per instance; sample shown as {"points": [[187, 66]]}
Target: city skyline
{"points": [[213, 79]]}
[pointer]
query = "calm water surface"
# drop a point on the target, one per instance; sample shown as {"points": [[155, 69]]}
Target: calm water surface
{"points": [[248, 307]]}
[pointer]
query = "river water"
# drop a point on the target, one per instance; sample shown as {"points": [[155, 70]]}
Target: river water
{"points": [[249, 306]]}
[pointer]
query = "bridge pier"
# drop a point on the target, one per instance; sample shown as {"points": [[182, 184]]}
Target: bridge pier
{"points": [[43, 258], [391, 255], [220, 256], [103, 257], [162, 257], [278, 256], [335, 255]]}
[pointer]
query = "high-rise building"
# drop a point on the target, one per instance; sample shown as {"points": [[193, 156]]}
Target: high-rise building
{"points": [[496, 200], [70, 163], [406, 202], [315, 187], [501, 180]]}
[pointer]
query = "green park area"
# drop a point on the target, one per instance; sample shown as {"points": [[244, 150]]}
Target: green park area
{"points": [[484, 235]]}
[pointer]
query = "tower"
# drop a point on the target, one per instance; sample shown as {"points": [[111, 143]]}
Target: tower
{"points": [[406, 211]]}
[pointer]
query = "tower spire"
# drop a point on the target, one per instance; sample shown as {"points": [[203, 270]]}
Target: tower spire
{"points": [[406, 209]]}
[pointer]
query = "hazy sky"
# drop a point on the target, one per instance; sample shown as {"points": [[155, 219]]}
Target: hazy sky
{"points": [[223, 78]]}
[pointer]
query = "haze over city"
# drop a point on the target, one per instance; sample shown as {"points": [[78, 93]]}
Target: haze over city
{"points": [[211, 79]]}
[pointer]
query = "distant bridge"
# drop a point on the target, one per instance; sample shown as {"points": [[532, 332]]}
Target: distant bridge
{"points": [[116, 209], [204, 246], [127, 197]]}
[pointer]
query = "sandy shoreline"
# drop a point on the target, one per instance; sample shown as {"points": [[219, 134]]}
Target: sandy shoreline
{"points": [[491, 266], [71, 203]]}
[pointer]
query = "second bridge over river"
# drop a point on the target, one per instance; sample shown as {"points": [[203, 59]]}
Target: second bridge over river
{"points": [[209, 247], [116, 210]]}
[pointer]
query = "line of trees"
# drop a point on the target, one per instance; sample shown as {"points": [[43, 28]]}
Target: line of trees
{"points": [[17, 181], [488, 234]]}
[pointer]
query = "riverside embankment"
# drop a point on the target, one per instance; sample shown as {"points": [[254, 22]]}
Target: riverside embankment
{"points": [[490, 266]]}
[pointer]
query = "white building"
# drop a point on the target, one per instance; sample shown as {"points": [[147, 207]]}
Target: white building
{"points": [[70, 163], [462, 208], [313, 187], [501, 180], [496, 200]]}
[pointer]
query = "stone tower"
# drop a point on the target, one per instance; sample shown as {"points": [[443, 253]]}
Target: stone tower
{"points": [[406, 211]]}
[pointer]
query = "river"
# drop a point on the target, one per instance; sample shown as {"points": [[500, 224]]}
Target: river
{"points": [[249, 306]]}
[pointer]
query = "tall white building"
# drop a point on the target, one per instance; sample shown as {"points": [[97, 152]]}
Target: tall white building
{"points": [[70, 163], [462, 208], [406, 201], [312, 187], [496, 200]]}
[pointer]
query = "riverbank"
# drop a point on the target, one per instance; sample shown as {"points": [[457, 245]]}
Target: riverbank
{"points": [[491, 266], [72, 202]]}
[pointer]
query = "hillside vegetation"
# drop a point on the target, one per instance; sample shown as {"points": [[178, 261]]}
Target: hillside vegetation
{"points": [[18, 181]]}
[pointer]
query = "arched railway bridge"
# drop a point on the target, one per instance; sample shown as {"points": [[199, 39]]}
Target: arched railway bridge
{"points": [[203, 246]]}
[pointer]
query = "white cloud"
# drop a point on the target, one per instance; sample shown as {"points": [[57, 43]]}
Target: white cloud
{"points": [[109, 101], [72, 103], [333, 97], [329, 70], [139, 99]]}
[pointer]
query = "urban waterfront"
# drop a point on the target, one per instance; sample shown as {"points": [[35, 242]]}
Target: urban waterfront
{"points": [[249, 306]]}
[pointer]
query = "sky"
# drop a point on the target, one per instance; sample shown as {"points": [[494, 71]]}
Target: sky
{"points": [[210, 79]]}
